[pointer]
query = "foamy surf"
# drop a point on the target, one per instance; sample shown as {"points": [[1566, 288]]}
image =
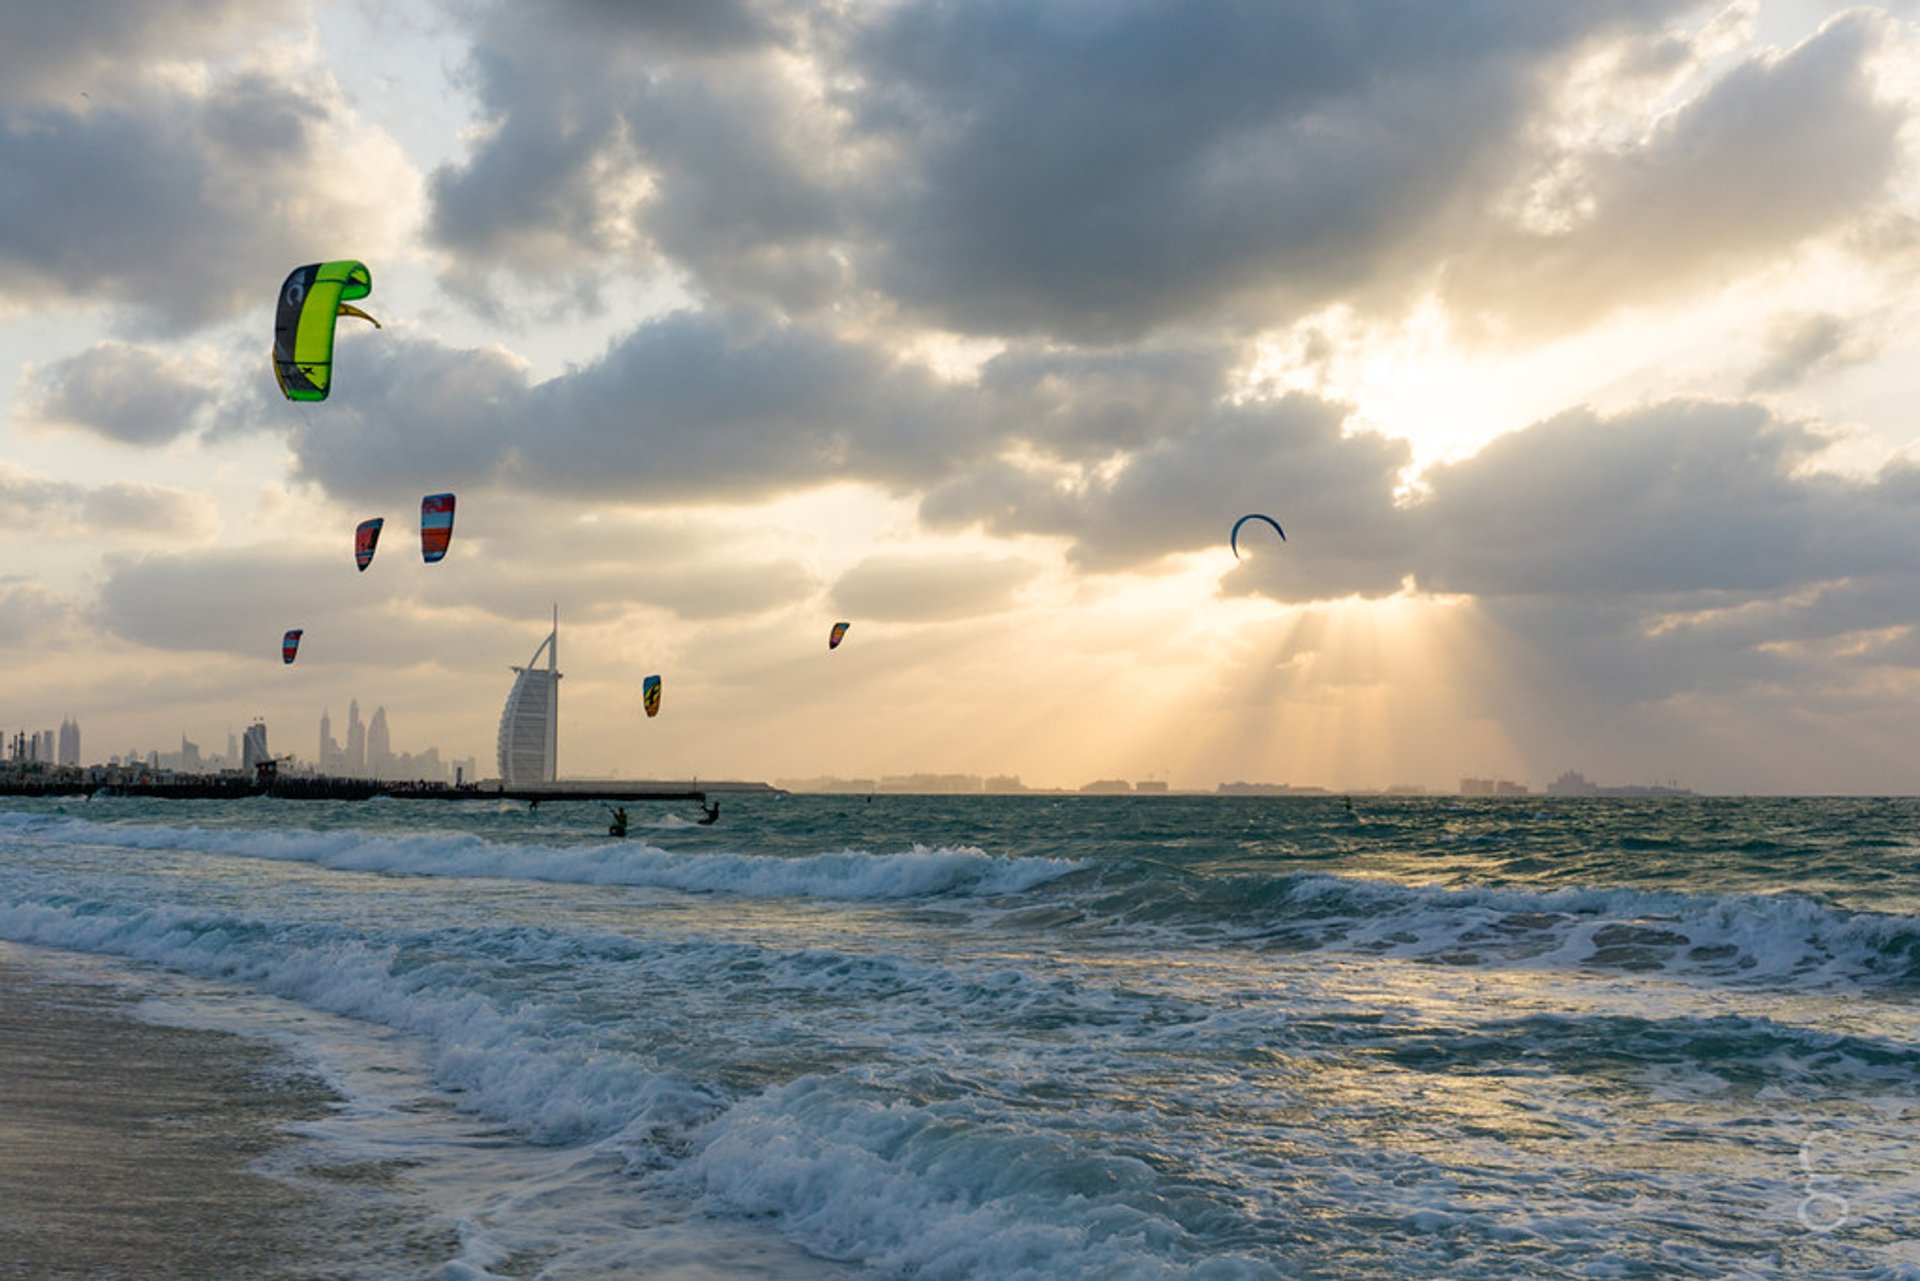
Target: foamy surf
{"points": [[952, 1039], [851, 874]]}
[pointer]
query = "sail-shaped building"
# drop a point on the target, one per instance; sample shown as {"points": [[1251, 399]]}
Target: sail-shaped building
{"points": [[530, 722]]}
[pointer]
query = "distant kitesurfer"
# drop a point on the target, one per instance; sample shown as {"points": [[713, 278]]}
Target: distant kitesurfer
{"points": [[712, 813], [619, 825]]}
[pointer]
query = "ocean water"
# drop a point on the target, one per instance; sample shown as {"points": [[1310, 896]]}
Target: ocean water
{"points": [[1004, 1037]]}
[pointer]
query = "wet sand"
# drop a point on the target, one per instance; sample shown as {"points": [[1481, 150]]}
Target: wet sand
{"points": [[124, 1146]]}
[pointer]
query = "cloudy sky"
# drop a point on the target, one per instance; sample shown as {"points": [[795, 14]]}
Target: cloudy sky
{"points": [[1572, 344]]}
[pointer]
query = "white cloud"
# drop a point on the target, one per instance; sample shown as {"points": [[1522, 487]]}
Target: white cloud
{"points": [[184, 200]]}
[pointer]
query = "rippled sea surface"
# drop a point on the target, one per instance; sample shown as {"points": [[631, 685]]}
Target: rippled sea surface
{"points": [[1050, 1036]]}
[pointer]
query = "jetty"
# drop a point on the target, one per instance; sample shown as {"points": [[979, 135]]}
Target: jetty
{"points": [[267, 780]]}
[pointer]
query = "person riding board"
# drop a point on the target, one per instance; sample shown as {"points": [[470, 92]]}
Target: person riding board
{"points": [[619, 825], [712, 813]]}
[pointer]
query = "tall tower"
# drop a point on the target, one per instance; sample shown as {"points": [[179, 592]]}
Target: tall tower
{"points": [[69, 742], [356, 742], [253, 747], [379, 746], [327, 746], [530, 722]]}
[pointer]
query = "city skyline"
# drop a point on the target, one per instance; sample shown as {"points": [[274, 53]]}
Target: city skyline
{"points": [[1570, 346], [369, 753], [377, 760]]}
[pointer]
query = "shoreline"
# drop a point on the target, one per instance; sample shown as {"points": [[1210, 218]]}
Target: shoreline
{"points": [[127, 1149]]}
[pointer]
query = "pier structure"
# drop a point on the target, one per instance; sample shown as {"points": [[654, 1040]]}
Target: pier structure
{"points": [[268, 781]]}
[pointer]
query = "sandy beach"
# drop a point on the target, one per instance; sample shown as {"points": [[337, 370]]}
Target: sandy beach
{"points": [[124, 1146]]}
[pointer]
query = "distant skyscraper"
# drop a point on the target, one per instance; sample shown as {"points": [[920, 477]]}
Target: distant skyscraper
{"points": [[356, 742], [253, 749], [327, 746], [530, 722], [69, 742], [48, 749], [233, 751], [379, 746]]}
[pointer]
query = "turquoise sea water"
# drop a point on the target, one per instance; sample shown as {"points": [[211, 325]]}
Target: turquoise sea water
{"points": [[1055, 1036]]}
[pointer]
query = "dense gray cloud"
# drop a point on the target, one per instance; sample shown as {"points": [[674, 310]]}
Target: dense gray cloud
{"points": [[620, 133], [753, 188], [1683, 549], [185, 206], [537, 196], [1681, 498], [1095, 171], [1289, 458], [684, 409], [1677, 498], [1132, 456], [1099, 171], [681, 26], [1084, 405], [63, 51], [1773, 153], [134, 395], [1091, 169], [1130, 461]]}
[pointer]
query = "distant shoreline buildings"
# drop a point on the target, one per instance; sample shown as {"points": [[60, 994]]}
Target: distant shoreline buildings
{"points": [[1573, 783], [1570, 783], [46, 747], [528, 747], [369, 753]]}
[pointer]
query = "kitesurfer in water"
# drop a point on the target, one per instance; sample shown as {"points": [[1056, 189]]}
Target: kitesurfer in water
{"points": [[619, 825], [712, 813]]}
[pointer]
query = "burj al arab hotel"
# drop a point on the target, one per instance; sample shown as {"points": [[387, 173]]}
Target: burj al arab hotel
{"points": [[530, 722]]}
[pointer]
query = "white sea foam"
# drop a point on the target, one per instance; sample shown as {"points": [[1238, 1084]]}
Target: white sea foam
{"points": [[849, 1172], [513, 1058], [845, 874], [1782, 939], [945, 1190], [943, 1063]]}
